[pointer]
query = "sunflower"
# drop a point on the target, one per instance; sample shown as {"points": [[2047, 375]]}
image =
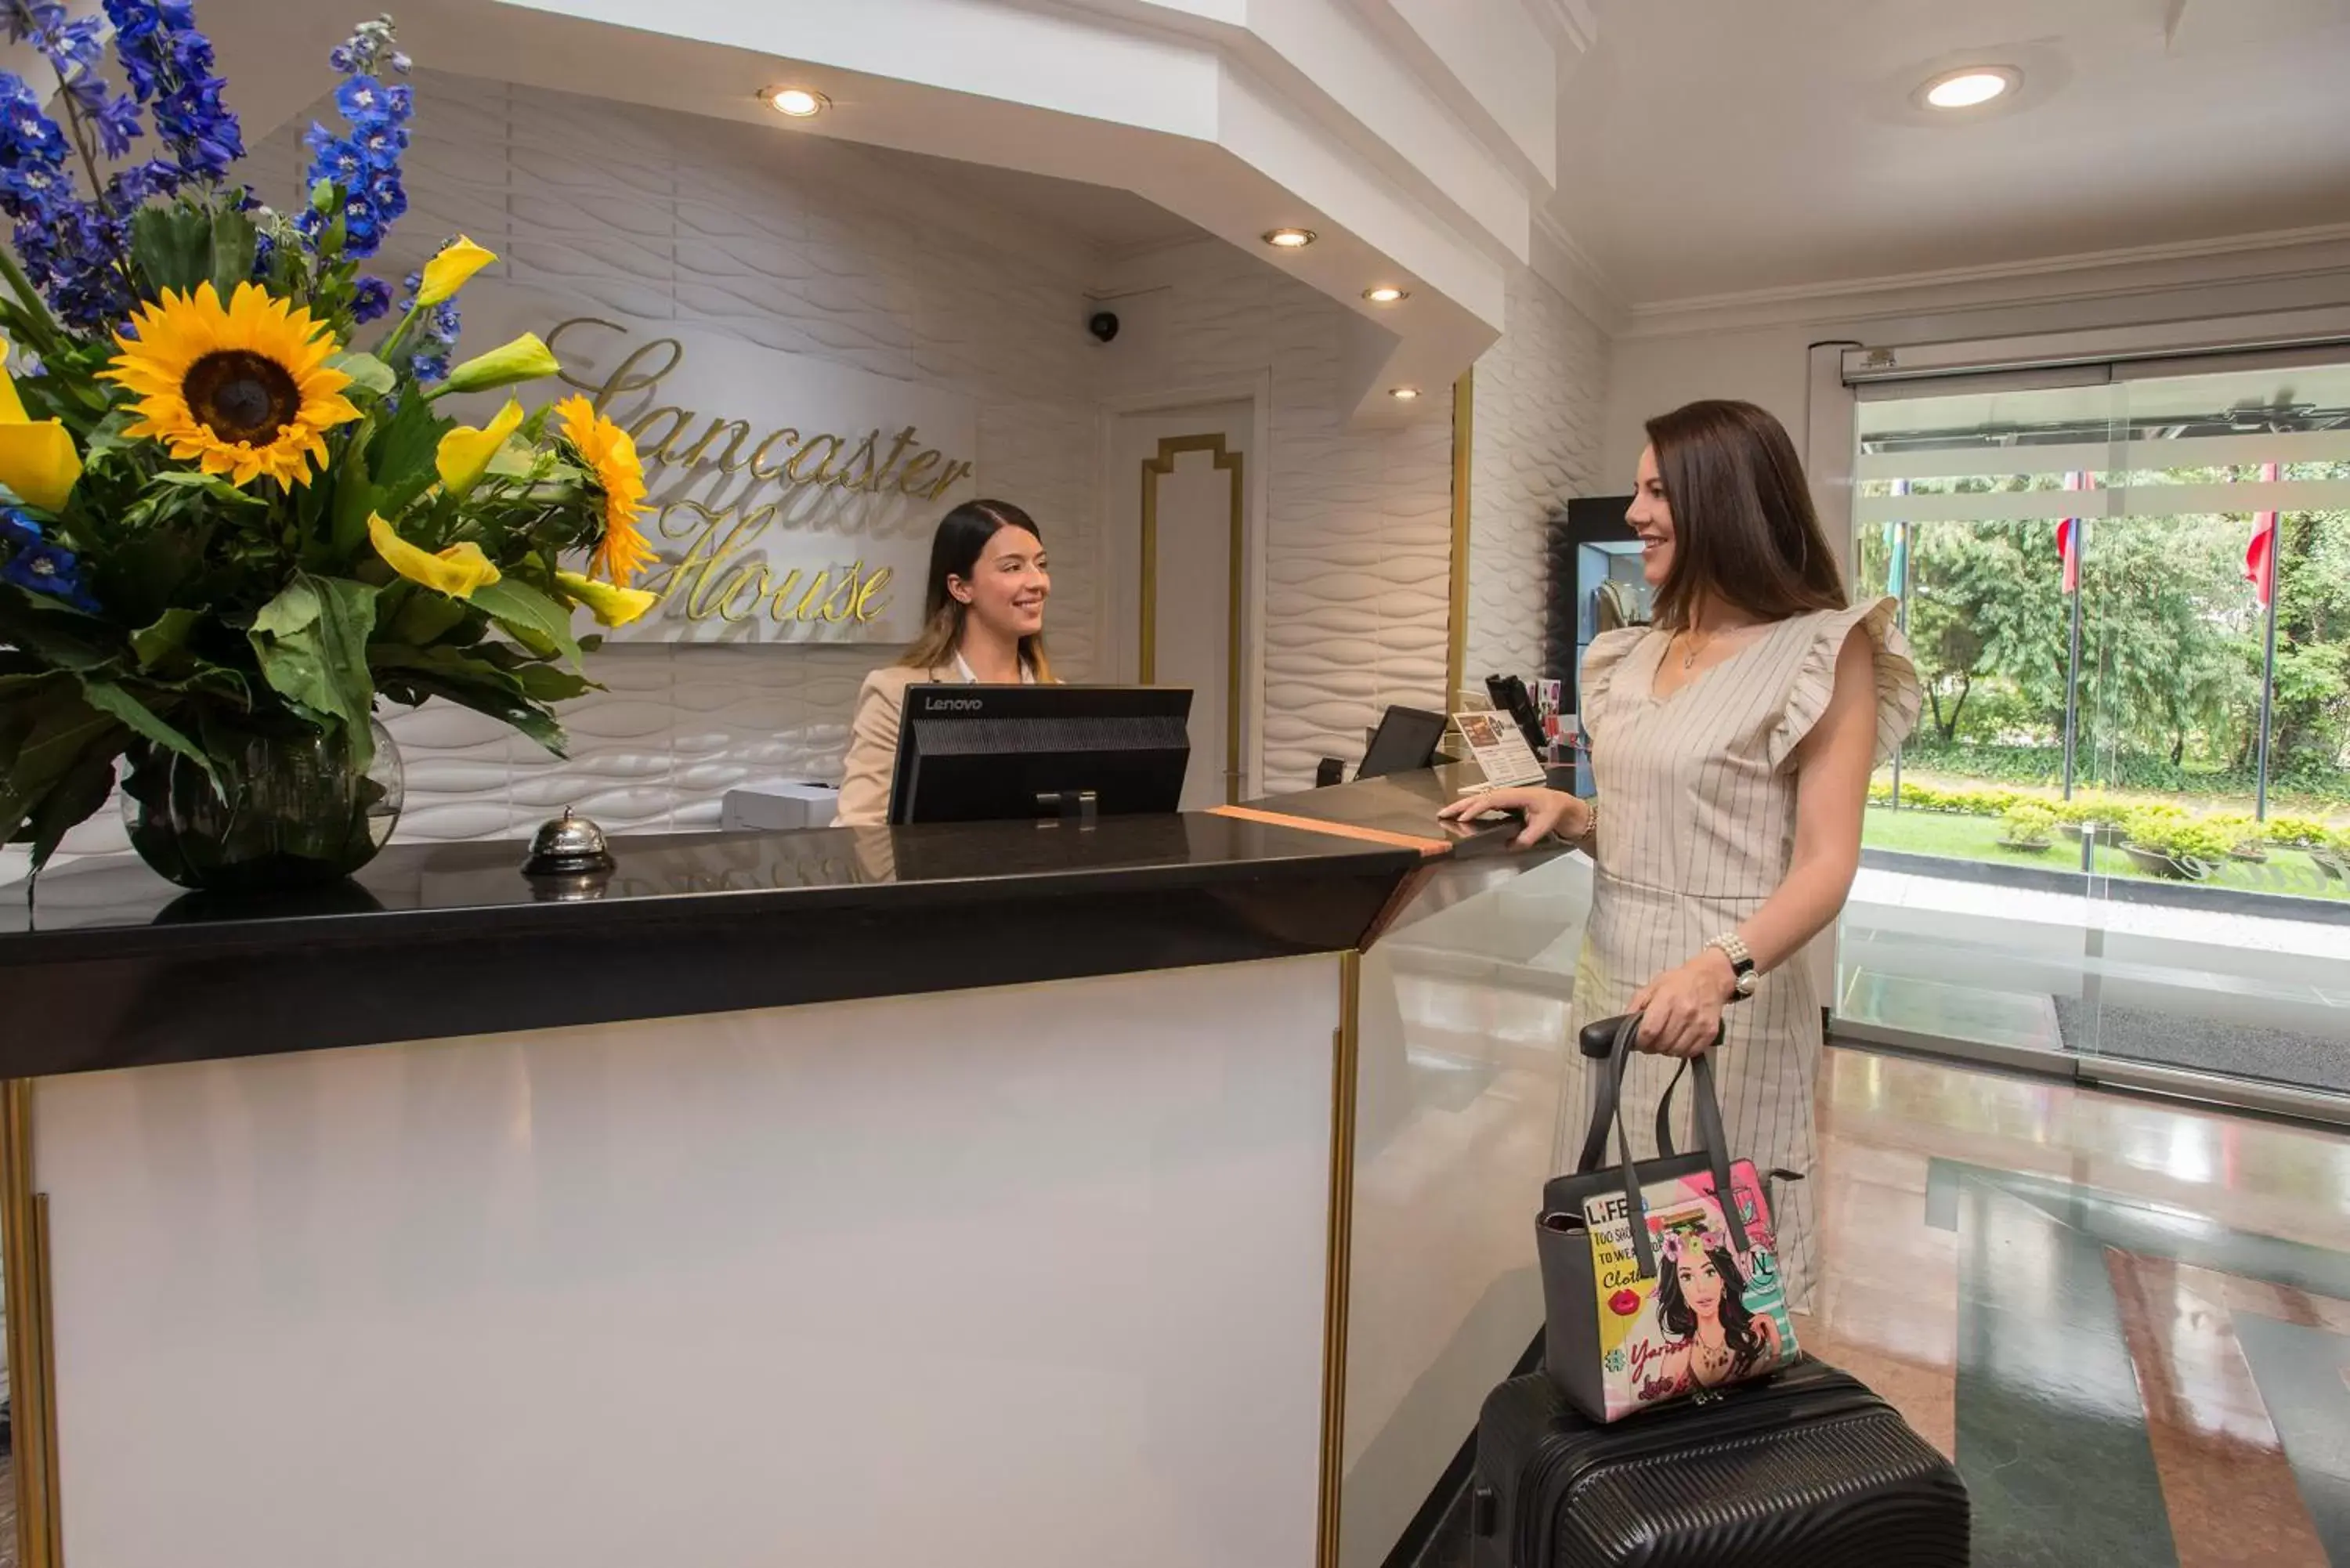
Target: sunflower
{"points": [[611, 455], [242, 391]]}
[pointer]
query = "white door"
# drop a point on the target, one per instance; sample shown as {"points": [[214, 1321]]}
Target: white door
{"points": [[1179, 484]]}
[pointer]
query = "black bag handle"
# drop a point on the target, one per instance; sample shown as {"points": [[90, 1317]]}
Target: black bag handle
{"points": [[1614, 1038]]}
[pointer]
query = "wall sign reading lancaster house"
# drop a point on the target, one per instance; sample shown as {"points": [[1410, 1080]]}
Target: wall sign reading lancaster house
{"points": [[792, 499]]}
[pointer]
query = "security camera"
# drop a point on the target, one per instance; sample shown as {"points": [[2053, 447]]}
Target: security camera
{"points": [[1103, 326]]}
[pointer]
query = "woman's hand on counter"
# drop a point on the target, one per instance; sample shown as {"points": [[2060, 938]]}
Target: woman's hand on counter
{"points": [[1546, 811]]}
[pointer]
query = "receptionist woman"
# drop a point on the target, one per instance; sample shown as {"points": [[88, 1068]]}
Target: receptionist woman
{"points": [[984, 626]]}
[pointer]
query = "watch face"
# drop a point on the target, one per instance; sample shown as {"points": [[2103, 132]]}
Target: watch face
{"points": [[1746, 984]]}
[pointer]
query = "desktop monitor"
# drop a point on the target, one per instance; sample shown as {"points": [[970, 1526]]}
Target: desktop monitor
{"points": [[990, 753], [1405, 741]]}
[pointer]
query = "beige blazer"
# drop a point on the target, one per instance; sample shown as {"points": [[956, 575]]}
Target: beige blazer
{"points": [[865, 776]]}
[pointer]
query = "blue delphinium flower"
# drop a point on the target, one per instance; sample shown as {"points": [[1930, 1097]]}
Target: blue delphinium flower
{"points": [[364, 166], [170, 67], [435, 332], [40, 564], [371, 301], [68, 246]]}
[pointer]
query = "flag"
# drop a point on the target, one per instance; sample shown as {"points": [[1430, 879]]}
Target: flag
{"points": [[2068, 537], [2260, 556], [1896, 542]]}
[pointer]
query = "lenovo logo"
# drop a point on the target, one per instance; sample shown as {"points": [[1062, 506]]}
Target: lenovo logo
{"points": [[953, 704]]}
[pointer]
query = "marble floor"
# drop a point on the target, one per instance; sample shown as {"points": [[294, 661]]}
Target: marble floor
{"points": [[2128, 1321]]}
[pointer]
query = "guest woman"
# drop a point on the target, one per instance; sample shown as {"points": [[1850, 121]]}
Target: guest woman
{"points": [[984, 625], [1732, 743]]}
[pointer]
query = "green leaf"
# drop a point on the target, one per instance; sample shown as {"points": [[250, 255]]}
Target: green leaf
{"points": [[402, 458], [234, 242], [171, 247], [213, 485], [311, 641], [112, 700], [63, 636], [427, 617], [79, 790], [365, 371], [46, 730], [468, 681], [548, 683], [356, 500], [167, 636], [540, 623]]}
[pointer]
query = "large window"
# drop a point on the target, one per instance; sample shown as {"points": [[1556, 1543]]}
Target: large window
{"points": [[2130, 605]]}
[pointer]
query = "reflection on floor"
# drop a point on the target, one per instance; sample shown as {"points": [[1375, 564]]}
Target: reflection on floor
{"points": [[2128, 1321]]}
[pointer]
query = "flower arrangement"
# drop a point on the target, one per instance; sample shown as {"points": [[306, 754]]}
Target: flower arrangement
{"points": [[226, 524]]}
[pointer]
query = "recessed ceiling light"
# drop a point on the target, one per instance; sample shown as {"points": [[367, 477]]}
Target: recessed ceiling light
{"points": [[1386, 293], [1970, 87], [1403, 394], [1289, 239], [797, 102]]}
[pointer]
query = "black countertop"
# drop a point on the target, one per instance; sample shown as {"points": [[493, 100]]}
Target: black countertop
{"points": [[110, 966]]}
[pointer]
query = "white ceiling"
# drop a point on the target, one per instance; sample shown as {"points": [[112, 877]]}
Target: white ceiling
{"points": [[1115, 221], [1713, 147]]}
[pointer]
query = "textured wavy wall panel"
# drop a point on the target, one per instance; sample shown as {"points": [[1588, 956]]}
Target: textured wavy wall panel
{"points": [[795, 242], [1541, 392], [1357, 540]]}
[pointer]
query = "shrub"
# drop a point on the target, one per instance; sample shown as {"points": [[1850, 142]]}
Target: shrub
{"points": [[2241, 831], [2181, 838], [2299, 832], [1956, 801], [2029, 823]]}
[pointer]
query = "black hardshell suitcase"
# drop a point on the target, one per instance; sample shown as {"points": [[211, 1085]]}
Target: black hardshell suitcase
{"points": [[1805, 1470]]}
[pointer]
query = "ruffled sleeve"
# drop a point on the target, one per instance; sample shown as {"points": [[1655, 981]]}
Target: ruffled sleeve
{"points": [[1899, 695], [1600, 661]]}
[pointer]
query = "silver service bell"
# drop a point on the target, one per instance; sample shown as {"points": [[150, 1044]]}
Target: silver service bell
{"points": [[569, 845]]}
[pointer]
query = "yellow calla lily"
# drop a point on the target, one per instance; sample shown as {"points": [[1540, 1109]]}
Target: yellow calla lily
{"points": [[608, 605], [523, 360], [37, 460], [447, 273], [465, 454], [456, 571]]}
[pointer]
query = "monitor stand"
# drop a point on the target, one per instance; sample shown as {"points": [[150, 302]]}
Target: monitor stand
{"points": [[1082, 807]]}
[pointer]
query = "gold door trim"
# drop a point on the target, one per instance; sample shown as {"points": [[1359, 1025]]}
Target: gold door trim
{"points": [[1155, 469], [1464, 450], [32, 1344], [1338, 1278]]}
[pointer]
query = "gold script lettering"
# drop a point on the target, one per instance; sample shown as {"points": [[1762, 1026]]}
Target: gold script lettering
{"points": [[721, 574], [917, 475]]}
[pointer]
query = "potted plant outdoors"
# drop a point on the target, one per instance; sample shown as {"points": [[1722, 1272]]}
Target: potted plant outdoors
{"points": [[2028, 827], [2089, 807], [230, 530], [2247, 837], [2165, 843]]}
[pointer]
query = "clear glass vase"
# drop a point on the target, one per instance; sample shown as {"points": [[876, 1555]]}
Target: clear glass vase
{"points": [[289, 810]]}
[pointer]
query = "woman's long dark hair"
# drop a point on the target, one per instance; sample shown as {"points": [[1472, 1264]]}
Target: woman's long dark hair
{"points": [[1679, 1318], [955, 549], [1744, 530]]}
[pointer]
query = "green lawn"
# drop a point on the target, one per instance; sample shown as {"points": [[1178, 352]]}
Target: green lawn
{"points": [[1977, 838]]}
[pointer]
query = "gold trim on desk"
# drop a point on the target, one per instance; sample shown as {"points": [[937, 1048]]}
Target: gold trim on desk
{"points": [[32, 1343], [1345, 1048], [1465, 451], [1155, 469]]}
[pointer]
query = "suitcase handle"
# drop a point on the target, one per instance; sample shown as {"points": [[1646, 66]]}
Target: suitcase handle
{"points": [[1607, 1109]]}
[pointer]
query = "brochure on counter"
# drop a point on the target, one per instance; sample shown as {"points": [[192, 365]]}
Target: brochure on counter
{"points": [[1494, 743]]}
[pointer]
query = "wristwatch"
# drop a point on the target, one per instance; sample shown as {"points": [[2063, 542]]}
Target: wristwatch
{"points": [[1741, 964]]}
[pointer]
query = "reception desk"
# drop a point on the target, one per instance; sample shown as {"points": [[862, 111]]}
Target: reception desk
{"points": [[1154, 1192]]}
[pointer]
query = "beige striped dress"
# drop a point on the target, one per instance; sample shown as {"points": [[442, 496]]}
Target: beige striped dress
{"points": [[1696, 829]]}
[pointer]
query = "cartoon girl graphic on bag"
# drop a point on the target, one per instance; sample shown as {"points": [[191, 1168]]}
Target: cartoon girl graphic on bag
{"points": [[1712, 1338]]}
